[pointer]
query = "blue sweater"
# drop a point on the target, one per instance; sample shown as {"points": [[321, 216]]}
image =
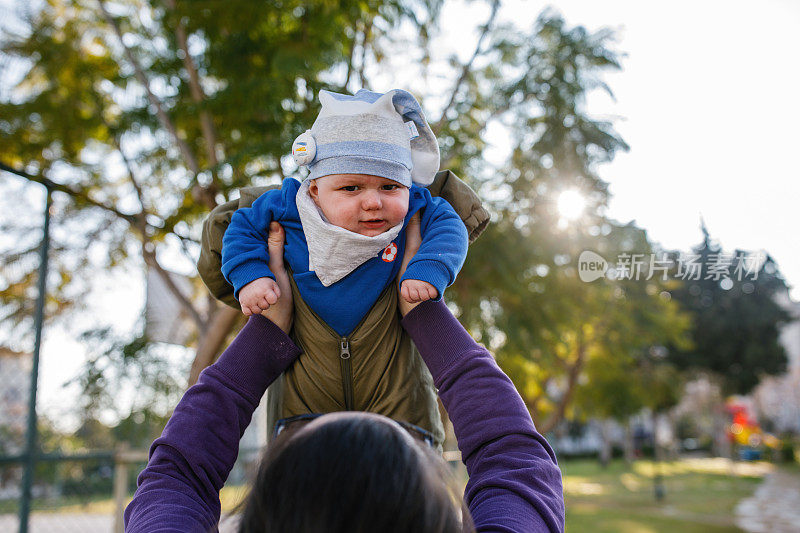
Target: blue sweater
{"points": [[343, 304]]}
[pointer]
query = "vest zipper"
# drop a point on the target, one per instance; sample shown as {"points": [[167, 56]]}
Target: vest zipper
{"points": [[344, 344], [347, 372]]}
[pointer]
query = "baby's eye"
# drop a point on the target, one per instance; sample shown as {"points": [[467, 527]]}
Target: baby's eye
{"points": [[389, 187], [349, 188]]}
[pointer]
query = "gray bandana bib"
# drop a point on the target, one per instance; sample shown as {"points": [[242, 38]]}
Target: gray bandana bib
{"points": [[334, 252]]}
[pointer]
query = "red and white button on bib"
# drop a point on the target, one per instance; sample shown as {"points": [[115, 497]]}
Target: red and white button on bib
{"points": [[389, 253]]}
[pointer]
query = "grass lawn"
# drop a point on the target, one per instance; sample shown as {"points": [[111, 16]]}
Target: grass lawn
{"points": [[701, 495]]}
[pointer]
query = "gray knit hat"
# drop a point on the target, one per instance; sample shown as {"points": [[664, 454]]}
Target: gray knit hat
{"points": [[370, 133]]}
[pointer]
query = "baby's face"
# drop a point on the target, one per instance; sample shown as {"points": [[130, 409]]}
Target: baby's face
{"points": [[360, 203]]}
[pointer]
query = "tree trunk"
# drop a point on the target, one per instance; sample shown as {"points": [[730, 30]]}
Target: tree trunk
{"points": [[673, 446], [572, 380], [628, 444], [605, 444], [212, 339], [721, 446], [658, 477]]}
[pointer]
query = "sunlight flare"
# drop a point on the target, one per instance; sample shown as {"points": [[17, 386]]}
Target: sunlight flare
{"points": [[571, 204]]}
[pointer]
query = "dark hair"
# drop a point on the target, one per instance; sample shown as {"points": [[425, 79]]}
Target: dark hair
{"points": [[352, 475]]}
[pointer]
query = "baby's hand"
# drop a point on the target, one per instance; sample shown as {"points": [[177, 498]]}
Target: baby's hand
{"points": [[415, 291], [258, 295]]}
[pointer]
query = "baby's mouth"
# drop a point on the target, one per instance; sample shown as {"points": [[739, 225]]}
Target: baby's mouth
{"points": [[373, 223]]}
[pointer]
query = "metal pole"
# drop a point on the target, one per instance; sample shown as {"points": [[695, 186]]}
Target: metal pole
{"points": [[120, 488], [30, 441], [658, 475]]}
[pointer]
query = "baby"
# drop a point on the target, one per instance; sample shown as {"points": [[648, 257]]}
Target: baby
{"points": [[362, 204], [370, 157], [344, 224]]}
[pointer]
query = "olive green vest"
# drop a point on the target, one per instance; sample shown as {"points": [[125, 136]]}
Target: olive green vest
{"points": [[376, 368]]}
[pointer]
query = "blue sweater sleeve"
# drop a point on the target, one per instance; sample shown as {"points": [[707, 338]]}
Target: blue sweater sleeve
{"points": [[244, 245], [444, 245]]}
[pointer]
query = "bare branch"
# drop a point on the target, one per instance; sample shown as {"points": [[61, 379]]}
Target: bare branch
{"points": [[77, 194], [362, 64], [279, 167], [128, 165], [572, 380], [136, 221], [163, 118], [150, 259], [219, 326], [136, 185], [206, 124], [466, 68], [150, 256], [350, 57]]}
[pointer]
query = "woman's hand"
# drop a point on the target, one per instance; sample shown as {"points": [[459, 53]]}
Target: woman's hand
{"points": [[413, 241], [281, 312]]}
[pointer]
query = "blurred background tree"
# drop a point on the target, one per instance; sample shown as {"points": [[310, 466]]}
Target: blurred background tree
{"points": [[146, 115], [736, 316], [520, 291]]}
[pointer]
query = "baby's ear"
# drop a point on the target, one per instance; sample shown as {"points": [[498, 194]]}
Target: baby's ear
{"points": [[313, 191]]}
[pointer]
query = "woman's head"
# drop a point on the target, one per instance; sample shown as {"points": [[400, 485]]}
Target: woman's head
{"points": [[352, 472]]}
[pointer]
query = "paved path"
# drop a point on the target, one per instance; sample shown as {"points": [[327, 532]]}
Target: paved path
{"points": [[775, 505], [58, 523], [80, 522]]}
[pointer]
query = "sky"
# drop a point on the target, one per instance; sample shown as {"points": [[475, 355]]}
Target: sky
{"points": [[707, 100]]}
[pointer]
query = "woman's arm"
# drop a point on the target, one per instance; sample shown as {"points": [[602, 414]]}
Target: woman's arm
{"points": [[189, 463], [514, 479]]}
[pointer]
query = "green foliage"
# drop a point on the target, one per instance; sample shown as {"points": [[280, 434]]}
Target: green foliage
{"points": [[614, 390], [81, 116], [142, 170], [520, 291], [117, 365], [736, 317], [99, 98]]}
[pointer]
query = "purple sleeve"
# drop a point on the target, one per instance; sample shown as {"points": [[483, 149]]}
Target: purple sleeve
{"points": [[514, 479], [189, 463]]}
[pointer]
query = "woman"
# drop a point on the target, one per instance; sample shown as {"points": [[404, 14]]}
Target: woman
{"points": [[352, 471]]}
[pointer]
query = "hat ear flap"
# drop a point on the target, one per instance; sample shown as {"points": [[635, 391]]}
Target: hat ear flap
{"points": [[424, 147], [325, 98], [384, 106]]}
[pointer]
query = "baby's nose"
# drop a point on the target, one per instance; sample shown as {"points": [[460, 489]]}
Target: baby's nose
{"points": [[372, 200]]}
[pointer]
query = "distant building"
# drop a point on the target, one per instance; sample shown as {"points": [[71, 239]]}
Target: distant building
{"points": [[15, 370], [777, 398]]}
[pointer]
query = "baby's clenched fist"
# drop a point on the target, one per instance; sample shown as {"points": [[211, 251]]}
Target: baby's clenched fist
{"points": [[258, 295], [415, 291]]}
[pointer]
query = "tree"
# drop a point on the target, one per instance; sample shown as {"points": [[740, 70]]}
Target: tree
{"points": [[142, 116], [145, 115], [736, 319], [520, 291]]}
